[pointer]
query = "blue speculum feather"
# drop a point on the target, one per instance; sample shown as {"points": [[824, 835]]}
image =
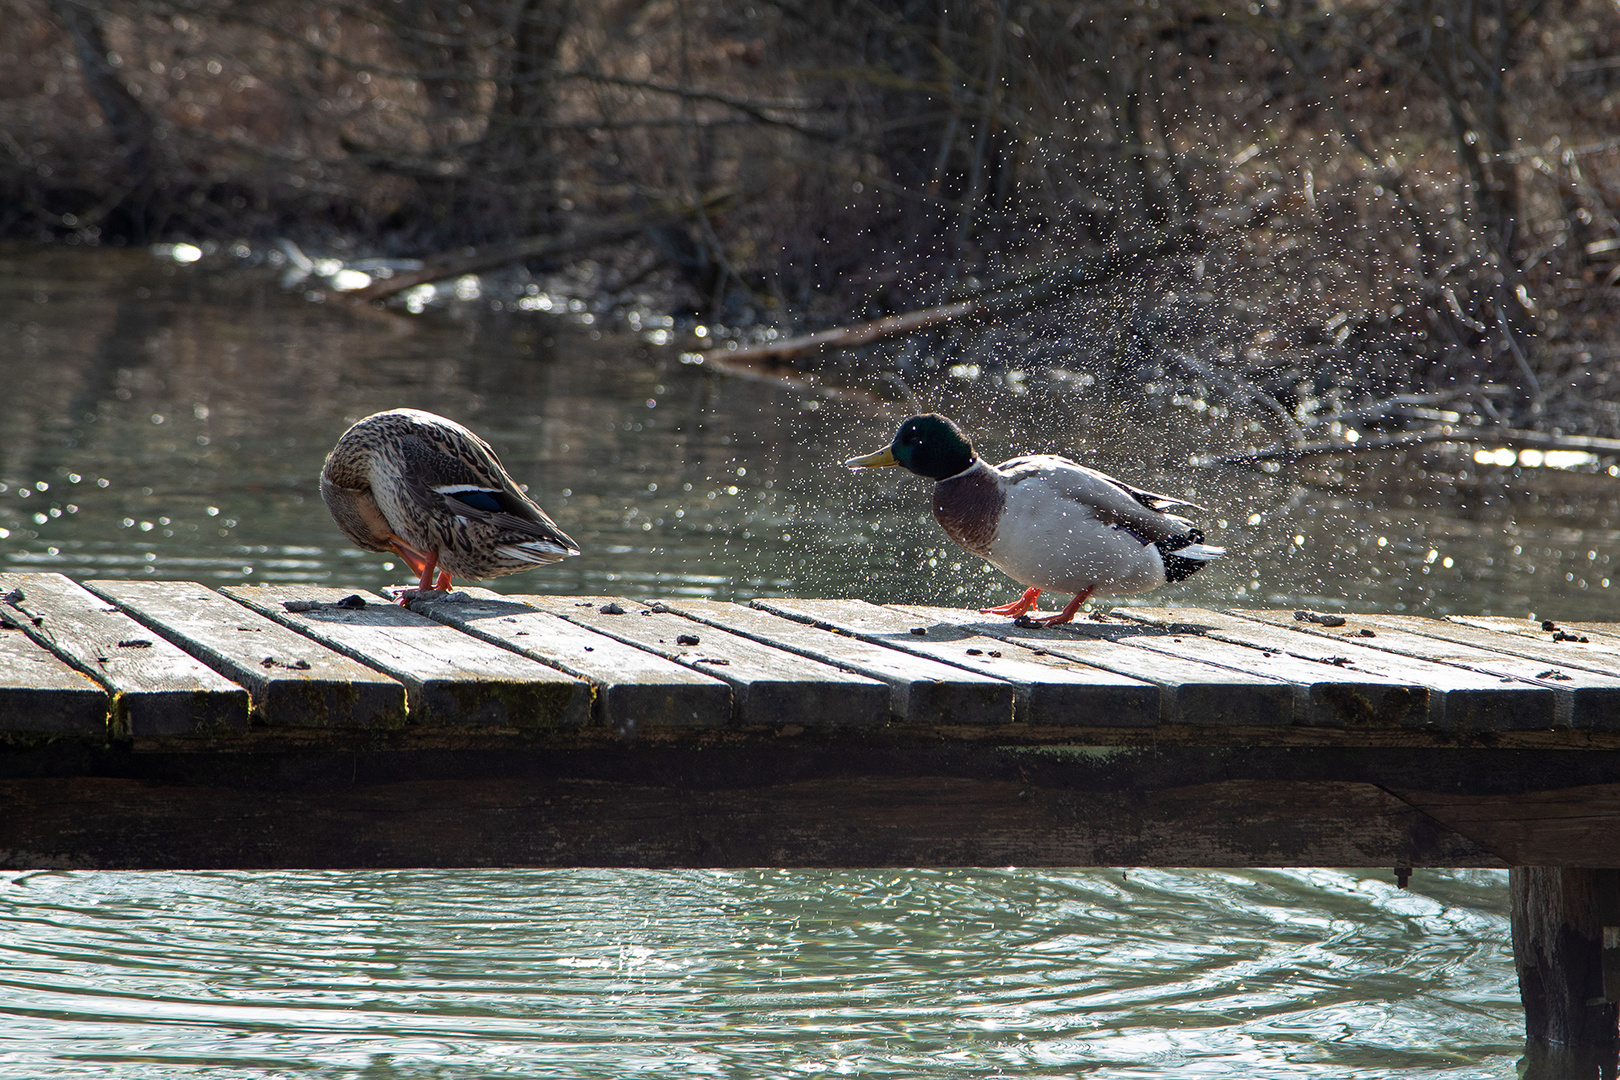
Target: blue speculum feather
{"points": [[480, 500]]}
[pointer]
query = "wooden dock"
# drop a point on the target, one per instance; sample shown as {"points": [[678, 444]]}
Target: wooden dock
{"points": [[162, 724], [148, 724]]}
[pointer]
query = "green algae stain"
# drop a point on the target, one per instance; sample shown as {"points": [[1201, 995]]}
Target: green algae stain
{"points": [[528, 706]]}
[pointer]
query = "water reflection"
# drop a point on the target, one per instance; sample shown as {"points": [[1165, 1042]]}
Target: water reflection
{"points": [[168, 422], [757, 973]]}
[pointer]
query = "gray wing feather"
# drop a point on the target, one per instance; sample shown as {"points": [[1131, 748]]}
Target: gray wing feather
{"points": [[539, 528], [1113, 502]]}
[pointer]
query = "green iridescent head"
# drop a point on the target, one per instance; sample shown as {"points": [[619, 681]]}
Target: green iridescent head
{"points": [[928, 445]]}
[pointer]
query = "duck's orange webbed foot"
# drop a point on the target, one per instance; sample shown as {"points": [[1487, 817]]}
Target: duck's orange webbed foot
{"points": [[422, 564], [1066, 615], [1022, 605], [413, 558]]}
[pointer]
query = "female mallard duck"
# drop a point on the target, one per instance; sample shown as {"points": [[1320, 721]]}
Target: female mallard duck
{"points": [[1046, 522], [434, 493]]}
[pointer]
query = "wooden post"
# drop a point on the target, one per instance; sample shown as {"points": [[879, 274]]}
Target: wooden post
{"points": [[1563, 918]]}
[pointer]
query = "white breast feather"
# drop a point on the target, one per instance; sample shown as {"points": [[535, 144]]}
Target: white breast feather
{"points": [[1060, 530]]}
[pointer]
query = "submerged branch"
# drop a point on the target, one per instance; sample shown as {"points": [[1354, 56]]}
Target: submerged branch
{"points": [[1512, 438], [1402, 404], [1241, 389]]}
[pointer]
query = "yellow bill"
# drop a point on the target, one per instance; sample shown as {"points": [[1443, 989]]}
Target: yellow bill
{"points": [[878, 460]]}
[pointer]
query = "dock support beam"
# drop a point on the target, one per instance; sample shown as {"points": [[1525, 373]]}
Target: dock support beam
{"points": [[1563, 917]]}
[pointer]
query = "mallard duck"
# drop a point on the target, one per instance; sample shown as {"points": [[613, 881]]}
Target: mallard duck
{"points": [[1046, 522], [436, 495]]}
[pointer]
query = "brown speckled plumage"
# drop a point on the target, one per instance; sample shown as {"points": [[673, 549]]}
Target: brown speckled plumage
{"points": [[430, 490]]}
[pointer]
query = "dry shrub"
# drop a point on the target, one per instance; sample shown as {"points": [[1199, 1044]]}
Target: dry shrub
{"points": [[1368, 196]]}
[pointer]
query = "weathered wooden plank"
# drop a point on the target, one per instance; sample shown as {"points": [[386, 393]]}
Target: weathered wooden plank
{"points": [[291, 678], [1191, 691], [1343, 688], [922, 691], [1566, 826], [1327, 694], [634, 688], [1589, 645], [1049, 689], [1458, 698], [39, 693], [768, 686], [1603, 634], [1589, 671], [449, 677], [156, 689], [1579, 690], [896, 820]]}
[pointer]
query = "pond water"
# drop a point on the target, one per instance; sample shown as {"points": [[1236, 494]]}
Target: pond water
{"points": [[170, 421], [1154, 973]]}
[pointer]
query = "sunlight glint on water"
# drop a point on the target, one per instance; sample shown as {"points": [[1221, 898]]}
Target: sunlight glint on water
{"points": [[756, 973]]}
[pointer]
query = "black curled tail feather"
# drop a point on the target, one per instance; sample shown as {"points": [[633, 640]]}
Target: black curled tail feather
{"points": [[1178, 567], [1171, 544]]}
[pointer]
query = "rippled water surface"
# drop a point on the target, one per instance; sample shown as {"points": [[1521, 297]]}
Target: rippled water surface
{"points": [[170, 422], [1311, 973]]}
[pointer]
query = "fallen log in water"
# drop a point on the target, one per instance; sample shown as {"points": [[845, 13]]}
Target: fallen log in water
{"points": [[471, 260], [848, 337], [1029, 292]]}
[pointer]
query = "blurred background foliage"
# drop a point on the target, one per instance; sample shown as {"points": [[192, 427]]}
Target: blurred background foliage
{"points": [[1329, 200]]}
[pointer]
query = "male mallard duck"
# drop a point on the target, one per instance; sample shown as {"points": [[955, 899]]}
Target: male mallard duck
{"points": [[434, 493], [1046, 522]]}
